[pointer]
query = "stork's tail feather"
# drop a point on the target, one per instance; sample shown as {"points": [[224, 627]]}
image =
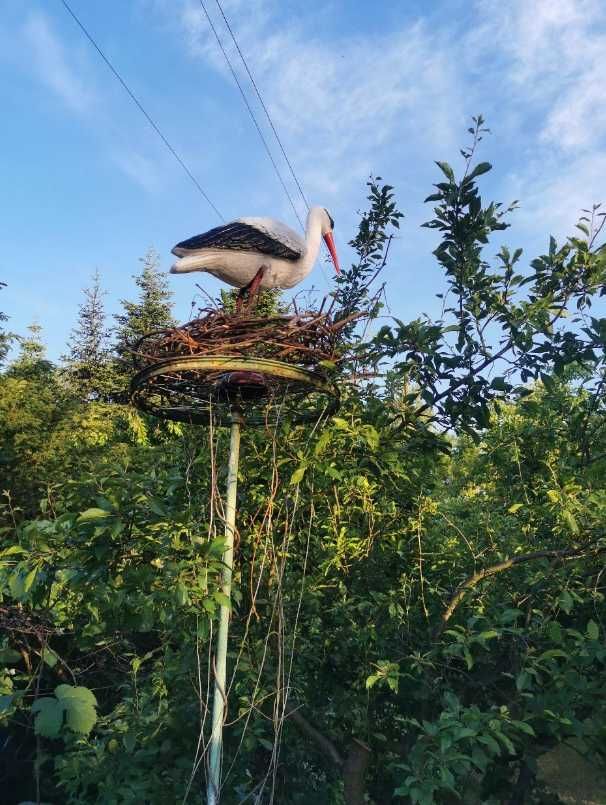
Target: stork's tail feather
{"points": [[186, 264]]}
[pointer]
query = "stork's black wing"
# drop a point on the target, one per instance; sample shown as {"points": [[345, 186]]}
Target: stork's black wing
{"points": [[238, 235]]}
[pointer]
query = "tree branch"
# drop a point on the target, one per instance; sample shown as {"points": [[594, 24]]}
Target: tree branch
{"points": [[473, 581], [352, 768], [324, 743]]}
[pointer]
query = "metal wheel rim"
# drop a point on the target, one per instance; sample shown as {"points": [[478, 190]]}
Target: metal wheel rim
{"points": [[283, 375]]}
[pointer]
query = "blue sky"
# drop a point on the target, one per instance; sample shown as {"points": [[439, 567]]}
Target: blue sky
{"points": [[353, 88]]}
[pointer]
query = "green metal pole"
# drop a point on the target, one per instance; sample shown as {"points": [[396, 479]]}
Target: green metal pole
{"points": [[219, 694]]}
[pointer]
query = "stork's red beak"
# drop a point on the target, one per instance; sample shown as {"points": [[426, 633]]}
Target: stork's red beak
{"points": [[330, 242]]}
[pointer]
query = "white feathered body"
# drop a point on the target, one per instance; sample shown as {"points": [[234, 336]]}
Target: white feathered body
{"points": [[286, 257]]}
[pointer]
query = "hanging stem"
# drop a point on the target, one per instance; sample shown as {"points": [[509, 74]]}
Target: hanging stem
{"points": [[220, 665]]}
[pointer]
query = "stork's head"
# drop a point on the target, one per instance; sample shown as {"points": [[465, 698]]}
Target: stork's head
{"points": [[328, 226]]}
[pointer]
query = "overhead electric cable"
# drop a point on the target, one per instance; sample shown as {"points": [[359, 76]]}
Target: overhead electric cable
{"points": [[141, 108], [261, 101], [251, 113]]}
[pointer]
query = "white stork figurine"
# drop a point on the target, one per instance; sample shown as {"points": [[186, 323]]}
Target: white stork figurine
{"points": [[254, 253]]}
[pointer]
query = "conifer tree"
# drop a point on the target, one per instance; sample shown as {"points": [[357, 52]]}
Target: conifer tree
{"points": [[5, 338], [152, 311], [31, 362], [88, 359]]}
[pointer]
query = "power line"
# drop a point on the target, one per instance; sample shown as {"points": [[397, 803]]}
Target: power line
{"points": [[141, 108], [259, 96], [251, 113], [270, 121]]}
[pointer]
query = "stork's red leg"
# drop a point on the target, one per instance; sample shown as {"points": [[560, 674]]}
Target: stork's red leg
{"points": [[253, 288], [250, 290]]}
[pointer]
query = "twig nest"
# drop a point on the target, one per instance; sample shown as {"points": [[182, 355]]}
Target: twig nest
{"points": [[310, 339]]}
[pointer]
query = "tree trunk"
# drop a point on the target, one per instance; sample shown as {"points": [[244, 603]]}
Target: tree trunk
{"points": [[523, 786], [354, 772]]}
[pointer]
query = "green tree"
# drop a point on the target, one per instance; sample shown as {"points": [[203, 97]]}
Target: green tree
{"points": [[88, 362], [31, 360], [153, 309], [151, 312], [5, 337]]}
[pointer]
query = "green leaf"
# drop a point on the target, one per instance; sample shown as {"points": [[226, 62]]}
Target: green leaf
{"points": [[570, 521], [322, 442], [584, 228], [75, 693], [181, 594], [514, 508], [15, 584], [523, 726], [129, 741], [464, 732], [80, 717], [29, 579], [499, 384], [157, 507], [8, 656], [297, 475], [222, 599], [13, 549], [522, 680], [79, 704], [372, 437], [446, 170], [554, 631], [92, 514], [490, 742], [49, 717], [593, 630], [480, 168], [50, 657], [566, 601], [506, 742]]}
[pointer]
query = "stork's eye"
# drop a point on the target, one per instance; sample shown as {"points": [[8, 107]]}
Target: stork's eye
{"points": [[330, 218]]}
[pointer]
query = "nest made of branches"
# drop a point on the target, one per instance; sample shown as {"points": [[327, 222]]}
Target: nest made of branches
{"points": [[310, 339]]}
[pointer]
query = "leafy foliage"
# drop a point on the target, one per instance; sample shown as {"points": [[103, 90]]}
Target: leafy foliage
{"points": [[371, 244], [495, 319]]}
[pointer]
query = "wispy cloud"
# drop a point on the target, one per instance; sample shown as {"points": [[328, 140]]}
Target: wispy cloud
{"points": [[553, 195], [554, 53], [140, 169], [549, 59], [59, 69], [49, 60], [336, 104], [349, 104]]}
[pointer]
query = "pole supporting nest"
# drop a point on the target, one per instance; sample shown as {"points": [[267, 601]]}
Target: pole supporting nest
{"points": [[220, 666], [230, 390]]}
